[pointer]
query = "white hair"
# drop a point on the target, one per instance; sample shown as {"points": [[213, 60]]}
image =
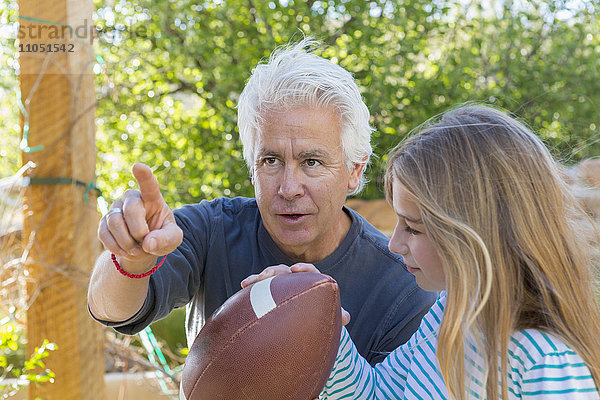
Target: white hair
{"points": [[295, 76]]}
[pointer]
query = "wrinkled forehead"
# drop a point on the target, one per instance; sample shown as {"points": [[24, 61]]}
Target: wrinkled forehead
{"points": [[300, 129], [298, 113]]}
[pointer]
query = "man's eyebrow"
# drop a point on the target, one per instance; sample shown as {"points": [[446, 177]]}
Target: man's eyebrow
{"points": [[409, 219], [313, 154], [301, 156], [267, 153]]}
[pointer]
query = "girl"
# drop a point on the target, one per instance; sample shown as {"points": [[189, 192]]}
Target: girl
{"points": [[484, 217]]}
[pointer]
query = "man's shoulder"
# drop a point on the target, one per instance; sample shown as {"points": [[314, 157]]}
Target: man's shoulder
{"points": [[220, 206], [373, 238]]}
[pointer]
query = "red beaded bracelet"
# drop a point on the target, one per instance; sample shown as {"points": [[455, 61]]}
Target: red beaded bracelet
{"points": [[135, 276]]}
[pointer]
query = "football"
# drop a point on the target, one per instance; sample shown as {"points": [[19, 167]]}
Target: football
{"points": [[273, 340]]}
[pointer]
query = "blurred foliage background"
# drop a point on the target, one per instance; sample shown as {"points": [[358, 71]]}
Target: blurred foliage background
{"points": [[169, 73]]}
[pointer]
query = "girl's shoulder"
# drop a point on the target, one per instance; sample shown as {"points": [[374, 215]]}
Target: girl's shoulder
{"points": [[531, 346], [541, 364]]}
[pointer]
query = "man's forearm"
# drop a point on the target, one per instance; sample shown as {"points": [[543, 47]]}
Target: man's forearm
{"points": [[113, 296]]}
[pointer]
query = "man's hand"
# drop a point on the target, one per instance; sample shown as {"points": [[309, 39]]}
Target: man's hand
{"points": [[140, 226], [284, 269]]}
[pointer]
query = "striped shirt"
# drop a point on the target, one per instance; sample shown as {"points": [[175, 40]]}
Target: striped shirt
{"points": [[540, 366]]}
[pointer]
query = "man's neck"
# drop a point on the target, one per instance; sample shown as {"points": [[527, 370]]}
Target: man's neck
{"points": [[330, 241]]}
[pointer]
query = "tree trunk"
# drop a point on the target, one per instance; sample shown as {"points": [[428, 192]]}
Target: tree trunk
{"points": [[60, 216]]}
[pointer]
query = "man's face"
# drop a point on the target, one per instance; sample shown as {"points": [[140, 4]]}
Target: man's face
{"points": [[300, 181]]}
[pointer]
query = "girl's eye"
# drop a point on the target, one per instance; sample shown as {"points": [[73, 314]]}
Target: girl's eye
{"points": [[411, 231], [406, 228]]}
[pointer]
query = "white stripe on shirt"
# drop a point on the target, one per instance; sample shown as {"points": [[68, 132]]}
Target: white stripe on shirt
{"points": [[540, 366]]}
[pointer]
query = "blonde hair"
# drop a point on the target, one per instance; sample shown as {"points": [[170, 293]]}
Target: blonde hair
{"points": [[508, 232]]}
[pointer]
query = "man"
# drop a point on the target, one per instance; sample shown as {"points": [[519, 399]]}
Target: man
{"points": [[306, 137]]}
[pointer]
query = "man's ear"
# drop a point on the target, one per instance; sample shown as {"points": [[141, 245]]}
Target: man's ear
{"points": [[356, 174]]}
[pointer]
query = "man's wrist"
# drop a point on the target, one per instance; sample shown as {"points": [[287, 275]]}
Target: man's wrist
{"points": [[133, 266], [136, 276]]}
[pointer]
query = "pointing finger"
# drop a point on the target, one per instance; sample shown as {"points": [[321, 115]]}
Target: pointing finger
{"points": [[147, 183]]}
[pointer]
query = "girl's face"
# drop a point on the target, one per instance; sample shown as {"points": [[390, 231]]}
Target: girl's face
{"points": [[411, 241]]}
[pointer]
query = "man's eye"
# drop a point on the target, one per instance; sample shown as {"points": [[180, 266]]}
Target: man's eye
{"points": [[270, 160], [312, 163]]}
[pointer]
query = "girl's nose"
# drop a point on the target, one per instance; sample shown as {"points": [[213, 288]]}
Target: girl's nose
{"points": [[396, 244]]}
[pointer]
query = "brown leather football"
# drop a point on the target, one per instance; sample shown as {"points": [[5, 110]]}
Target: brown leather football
{"points": [[276, 339]]}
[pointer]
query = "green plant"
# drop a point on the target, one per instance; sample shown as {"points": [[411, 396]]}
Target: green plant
{"points": [[33, 370]]}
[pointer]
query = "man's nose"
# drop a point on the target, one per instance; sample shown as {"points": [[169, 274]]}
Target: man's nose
{"points": [[291, 185]]}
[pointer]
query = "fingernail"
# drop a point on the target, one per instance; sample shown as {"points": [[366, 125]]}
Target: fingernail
{"points": [[151, 244]]}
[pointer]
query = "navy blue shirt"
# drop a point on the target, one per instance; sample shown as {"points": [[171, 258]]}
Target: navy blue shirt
{"points": [[224, 241]]}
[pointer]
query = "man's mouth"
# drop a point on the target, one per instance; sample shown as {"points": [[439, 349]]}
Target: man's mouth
{"points": [[291, 217]]}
